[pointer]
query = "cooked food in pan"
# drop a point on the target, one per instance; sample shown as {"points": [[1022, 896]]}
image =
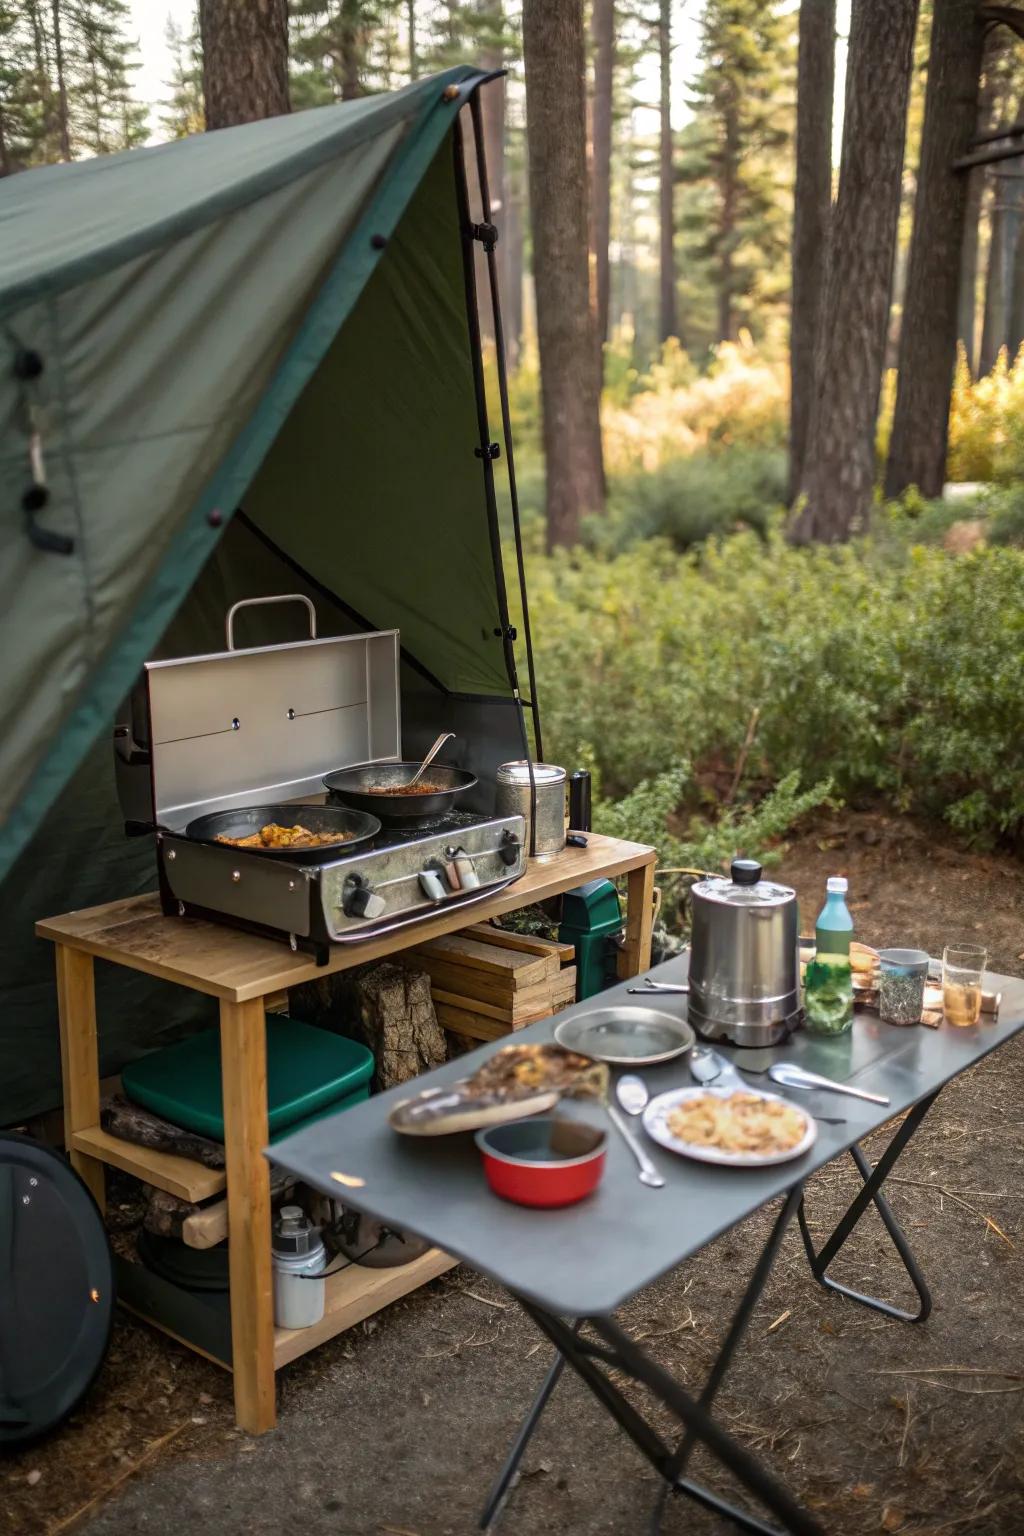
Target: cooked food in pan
{"points": [[274, 836], [742, 1122], [422, 787]]}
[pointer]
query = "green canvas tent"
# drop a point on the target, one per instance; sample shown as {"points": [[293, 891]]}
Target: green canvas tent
{"points": [[244, 363]]}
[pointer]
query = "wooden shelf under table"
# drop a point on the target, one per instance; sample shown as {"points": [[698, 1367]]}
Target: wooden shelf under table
{"points": [[179, 1176]]}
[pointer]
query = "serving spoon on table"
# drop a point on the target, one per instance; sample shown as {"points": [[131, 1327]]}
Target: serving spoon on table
{"points": [[631, 1092], [707, 1066]]}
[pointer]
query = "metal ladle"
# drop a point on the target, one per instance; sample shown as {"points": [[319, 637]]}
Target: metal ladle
{"points": [[435, 749]]}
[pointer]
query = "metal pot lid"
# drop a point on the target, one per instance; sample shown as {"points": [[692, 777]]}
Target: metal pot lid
{"points": [[745, 889], [519, 773]]}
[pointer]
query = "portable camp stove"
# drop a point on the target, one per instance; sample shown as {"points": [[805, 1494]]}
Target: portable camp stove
{"points": [[249, 727]]}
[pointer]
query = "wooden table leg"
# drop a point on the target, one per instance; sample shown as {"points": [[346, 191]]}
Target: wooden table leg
{"points": [[243, 1042], [636, 954], [79, 1060]]}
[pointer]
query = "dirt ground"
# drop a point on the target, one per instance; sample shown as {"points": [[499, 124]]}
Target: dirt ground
{"points": [[396, 1428]]}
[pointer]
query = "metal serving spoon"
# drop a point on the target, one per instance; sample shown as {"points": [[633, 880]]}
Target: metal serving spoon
{"points": [[707, 1066], [435, 749], [791, 1076], [631, 1092]]}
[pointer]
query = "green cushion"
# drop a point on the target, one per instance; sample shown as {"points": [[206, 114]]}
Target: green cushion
{"points": [[309, 1071]]}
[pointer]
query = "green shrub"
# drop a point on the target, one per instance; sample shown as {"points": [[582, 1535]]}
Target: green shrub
{"points": [[648, 813], [885, 666], [688, 500]]}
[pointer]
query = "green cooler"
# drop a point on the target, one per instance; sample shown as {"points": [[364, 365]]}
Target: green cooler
{"points": [[310, 1073]]}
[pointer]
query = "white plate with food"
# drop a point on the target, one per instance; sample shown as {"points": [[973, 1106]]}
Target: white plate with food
{"points": [[735, 1127]]}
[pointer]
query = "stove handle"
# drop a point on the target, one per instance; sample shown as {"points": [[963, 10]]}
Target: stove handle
{"points": [[256, 602]]}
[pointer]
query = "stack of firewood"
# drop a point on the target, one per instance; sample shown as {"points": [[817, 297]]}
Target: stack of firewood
{"points": [[486, 982]]}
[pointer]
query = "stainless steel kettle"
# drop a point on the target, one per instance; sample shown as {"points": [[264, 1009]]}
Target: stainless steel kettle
{"points": [[744, 962]]}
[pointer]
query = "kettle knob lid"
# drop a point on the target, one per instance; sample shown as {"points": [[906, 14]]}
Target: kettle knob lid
{"points": [[745, 871]]}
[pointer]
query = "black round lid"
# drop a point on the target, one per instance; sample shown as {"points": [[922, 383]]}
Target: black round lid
{"points": [[57, 1289], [745, 871]]}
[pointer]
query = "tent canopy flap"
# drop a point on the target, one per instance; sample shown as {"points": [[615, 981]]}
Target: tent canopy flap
{"points": [[272, 318], [290, 288]]}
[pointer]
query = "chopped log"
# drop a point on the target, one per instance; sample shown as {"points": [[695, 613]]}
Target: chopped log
{"points": [[388, 1008], [166, 1214], [207, 1225], [119, 1117]]}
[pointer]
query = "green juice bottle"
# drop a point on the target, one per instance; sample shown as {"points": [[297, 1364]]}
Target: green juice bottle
{"points": [[828, 983]]}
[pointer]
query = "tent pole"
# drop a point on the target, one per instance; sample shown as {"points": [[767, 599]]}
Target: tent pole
{"points": [[506, 415], [486, 452]]}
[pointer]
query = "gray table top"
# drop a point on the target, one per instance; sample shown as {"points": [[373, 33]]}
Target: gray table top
{"points": [[587, 1259]]}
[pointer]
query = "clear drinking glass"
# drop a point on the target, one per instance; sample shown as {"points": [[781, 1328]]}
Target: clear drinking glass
{"points": [[963, 966]]}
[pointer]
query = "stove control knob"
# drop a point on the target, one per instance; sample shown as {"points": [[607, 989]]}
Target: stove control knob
{"points": [[432, 884], [360, 899], [508, 848]]}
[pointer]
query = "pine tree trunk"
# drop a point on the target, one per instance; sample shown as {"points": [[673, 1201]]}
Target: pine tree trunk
{"points": [[812, 207], [555, 66], [349, 37], [492, 111], [512, 293], [839, 466], [245, 60], [727, 227], [63, 118], [668, 322], [410, 26], [967, 301], [602, 34], [917, 452], [994, 325], [5, 157]]}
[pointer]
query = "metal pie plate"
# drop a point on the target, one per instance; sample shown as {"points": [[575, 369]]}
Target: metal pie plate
{"points": [[626, 1036]]}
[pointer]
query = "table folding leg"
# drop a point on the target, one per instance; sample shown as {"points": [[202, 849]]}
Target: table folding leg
{"points": [[871, 1191], [615, 1351]]}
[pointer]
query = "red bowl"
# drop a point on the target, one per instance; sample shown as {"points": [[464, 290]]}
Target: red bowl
{"points": [[543, 1161]]}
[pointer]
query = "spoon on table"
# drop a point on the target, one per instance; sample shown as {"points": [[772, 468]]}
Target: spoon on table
{"points": [[631, 1092], [791, 1076], [707, 1066], [435, 749]]}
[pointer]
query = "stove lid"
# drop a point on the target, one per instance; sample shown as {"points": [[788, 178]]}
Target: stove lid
{"points": [[242, 726]]}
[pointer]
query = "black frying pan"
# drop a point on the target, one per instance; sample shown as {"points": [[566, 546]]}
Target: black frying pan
{"points": [[354, 829], [366, 789]]}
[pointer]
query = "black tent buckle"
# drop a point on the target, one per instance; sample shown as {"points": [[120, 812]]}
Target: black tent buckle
{"points": [[487, 234], [491, 451]]}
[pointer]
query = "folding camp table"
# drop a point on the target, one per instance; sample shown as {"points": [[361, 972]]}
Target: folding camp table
{"points": [[570, 1269]]}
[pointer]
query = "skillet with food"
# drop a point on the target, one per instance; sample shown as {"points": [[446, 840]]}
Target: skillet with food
{"points": [[383, 789], [303, 833]]}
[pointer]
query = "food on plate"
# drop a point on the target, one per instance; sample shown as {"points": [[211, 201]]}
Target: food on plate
{"points": [[516, 1081], [422, 787], [274, 836], [540, 1068], [740, 1124], [862, 958]]}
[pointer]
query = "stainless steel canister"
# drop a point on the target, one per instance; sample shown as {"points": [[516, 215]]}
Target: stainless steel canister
{"points": [[513, 797], [744, 964]]}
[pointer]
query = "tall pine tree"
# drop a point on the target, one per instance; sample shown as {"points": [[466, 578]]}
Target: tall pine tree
{"points": [[735, 157], [183, 108]]}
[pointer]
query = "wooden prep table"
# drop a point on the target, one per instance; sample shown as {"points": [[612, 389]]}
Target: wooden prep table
{"points": [[242, 970]]}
